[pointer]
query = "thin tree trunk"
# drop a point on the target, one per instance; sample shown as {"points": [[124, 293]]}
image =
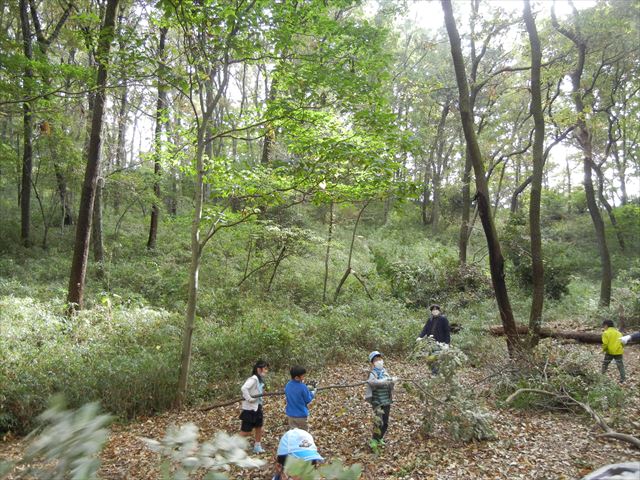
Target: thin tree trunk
{"points": [[96, 225], [160, 115], [496, 202], [425, 195], [326, 255], [194, 270], [63, 192], [276, 264], [75, 296], [349, 270], [537, 268], [583, 136], [437, 167], [463, 239], [608, 208], [269, 130], [27, 127], [496, 260]]}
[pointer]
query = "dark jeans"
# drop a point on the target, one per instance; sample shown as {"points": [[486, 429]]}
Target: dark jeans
{"points": [[618, 358], [381, 421]]}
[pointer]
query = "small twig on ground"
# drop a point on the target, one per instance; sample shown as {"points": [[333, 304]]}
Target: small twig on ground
{"points": [[608, 431]]}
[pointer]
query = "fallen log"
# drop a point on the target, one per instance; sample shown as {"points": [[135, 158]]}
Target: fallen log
{"points": [[582, 337]]}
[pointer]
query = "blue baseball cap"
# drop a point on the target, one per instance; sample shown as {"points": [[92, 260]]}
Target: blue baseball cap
{"points": [[299, 444], [374, 354]]}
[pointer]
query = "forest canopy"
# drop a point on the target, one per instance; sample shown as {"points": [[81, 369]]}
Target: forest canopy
{"points": [[189, 186]]}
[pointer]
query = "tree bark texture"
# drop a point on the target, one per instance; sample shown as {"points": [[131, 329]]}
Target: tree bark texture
{"points": [[438, 166], [496, 260], [27, 127], [96, 225], [537, 268], [75, 296], [327, 253], [161, 106], [463, 239], [592, 338]]}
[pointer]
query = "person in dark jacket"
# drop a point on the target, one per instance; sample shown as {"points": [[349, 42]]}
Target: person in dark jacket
{"points": [[437, 326]]}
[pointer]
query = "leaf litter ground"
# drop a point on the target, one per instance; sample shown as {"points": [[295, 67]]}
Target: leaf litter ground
{"points": [[530, 444]]}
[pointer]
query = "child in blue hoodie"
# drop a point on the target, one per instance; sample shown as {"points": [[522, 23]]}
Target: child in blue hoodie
{"points": [[298, 396]]}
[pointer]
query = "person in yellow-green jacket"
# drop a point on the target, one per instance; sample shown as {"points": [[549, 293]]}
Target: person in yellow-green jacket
{"points": [[612, 347]]}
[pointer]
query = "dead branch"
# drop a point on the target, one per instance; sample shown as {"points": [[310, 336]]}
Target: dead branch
{"points": [[608, 431]]}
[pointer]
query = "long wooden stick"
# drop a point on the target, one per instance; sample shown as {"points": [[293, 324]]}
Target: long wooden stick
{"points": [[273, 394]]}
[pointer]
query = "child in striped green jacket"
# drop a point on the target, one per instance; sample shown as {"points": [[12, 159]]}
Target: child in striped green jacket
{"points": [[380, 395]]}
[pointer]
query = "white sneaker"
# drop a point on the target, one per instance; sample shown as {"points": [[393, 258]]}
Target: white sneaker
{"points": [[258, 449]]}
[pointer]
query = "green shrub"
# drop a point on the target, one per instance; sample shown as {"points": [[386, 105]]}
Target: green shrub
{"points": [[445, 400], [126, 359], [556, 259], [560, 372]]}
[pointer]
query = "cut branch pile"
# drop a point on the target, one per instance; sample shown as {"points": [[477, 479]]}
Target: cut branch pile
{"points": [[608, 431]]}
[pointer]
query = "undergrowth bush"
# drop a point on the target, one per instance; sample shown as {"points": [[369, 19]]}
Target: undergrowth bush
{"points": [[557, 260], [559, 372], [426, 273], [126, 359], [446, 402]]}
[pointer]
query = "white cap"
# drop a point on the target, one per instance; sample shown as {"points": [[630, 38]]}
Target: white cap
{"points": [[299, 443]]}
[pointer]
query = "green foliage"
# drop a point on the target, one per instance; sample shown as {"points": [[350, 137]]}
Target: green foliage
{"points": [[557, 270], [424, 273], [333, 471], [182, 456], [67, 446], [446, 401], [560, 371], [626, 296], [123, 358]]}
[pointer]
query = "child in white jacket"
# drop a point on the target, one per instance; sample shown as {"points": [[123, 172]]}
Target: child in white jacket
{"points": [[252, 416]]}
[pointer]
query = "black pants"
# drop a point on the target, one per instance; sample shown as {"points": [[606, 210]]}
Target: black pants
{"points": [[381, 422]]}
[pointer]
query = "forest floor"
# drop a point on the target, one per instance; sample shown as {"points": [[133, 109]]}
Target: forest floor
{"points": [[530, 444]]}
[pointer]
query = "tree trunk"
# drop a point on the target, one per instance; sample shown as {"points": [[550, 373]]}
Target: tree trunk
{"points": [[63, 192], [437, 167], [160, 115], [583, 136], [596, 218], [425, 196], [463, 239], [96, 226], [194, 269], [349, 270], [326, 255], [27, 127], [537, 268], [75, 296], [608, 208], [496, 260]]}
